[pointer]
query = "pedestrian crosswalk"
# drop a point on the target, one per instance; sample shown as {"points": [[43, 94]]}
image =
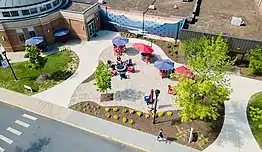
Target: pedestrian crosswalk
{"points": [[16, 131]]}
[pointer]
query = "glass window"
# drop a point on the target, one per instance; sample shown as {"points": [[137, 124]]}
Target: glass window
{"points": [[48, 6], [33, 10], [21, 35], [42, 8], [56, 2], [14, 13], [6, 14], [31, 31], [25, 12]]}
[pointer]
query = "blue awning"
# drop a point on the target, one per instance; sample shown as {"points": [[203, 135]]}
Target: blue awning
{"points": [[34, 40], [61, 32]]}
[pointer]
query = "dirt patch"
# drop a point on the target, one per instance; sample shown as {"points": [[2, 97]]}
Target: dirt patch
{"points": [[245, 72], [215, 18], [174, 129]]}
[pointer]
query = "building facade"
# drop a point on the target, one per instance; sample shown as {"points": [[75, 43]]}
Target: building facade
{"points": [[20, 20]]}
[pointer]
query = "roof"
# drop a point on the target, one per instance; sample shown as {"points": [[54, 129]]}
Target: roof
{"points": [[19, 3], [77, 6]]}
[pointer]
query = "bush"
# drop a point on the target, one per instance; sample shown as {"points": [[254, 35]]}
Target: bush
{"points": [[107, 109], [255, 60], [160, 114], [131, 111], [139, 113], [108, 115], [147, 115], [256, 115], [153, 116], [124, 110], [131, 122], [116, 117], [115, 109], [169, 113], [124, 120]]}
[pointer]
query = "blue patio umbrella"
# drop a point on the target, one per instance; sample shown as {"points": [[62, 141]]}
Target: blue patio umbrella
{"points": [[34, 40], [61, 32], [120, 41], [165, 64]]}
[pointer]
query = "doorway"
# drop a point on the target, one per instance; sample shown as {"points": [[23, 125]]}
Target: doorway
{"points": [[91, 28]]}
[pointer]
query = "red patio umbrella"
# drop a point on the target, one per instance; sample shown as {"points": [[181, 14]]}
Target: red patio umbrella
{"points": [[182, 70], [143, 48]]}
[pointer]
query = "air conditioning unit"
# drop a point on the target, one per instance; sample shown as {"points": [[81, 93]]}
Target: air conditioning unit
{"points": [[152, 7], [102, 1]]}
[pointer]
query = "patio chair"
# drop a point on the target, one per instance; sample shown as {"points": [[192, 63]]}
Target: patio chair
{"points": [[131, 69], [171, 90]]}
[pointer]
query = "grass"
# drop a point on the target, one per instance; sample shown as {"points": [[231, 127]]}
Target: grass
{"points": [[256, 101], [56, 67]]}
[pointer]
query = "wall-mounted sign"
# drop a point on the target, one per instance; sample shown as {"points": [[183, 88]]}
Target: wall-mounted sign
{"points": [[4, 64]]}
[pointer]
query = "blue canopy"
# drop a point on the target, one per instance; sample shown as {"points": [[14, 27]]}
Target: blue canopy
{"points": [[34, 40], [165, 64], [120, 41], [61, 32]]}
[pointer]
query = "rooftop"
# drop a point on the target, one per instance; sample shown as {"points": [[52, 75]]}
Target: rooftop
{"points": [[19, 3], [215, 18], [78, 6], [163, 7]]}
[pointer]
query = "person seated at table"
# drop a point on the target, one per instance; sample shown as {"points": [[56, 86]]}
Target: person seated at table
{"points": [[118, 60], [129, 62], [171, 90]]}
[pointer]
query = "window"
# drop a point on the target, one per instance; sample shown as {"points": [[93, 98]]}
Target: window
{"points": [[56, 2], [48, 6], [25, 12], [14, 13], [20, 35], [33, 10], [42, 8], [31, 31], [6, 14]]}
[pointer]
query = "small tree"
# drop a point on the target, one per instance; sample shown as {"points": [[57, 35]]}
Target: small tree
{"points": [[103, 77], [255, 60], [200, 98], [36, 61]]}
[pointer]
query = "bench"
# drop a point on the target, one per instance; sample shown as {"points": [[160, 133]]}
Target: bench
{"points": [[28, 88]]}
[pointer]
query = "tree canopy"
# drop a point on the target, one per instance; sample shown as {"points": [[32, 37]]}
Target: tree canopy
{"points": [[36, 61], [102, 77], [255, 60]]}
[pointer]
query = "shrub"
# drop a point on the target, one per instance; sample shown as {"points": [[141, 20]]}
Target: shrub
{"points": [[256, 115], [131, 122], [147, 115], [107, 109], [124, 119], [131, 111], [160, 114], [169, 113], [115, 109], [116, 117], [108, 115], [124, 110], [255, 60], [153, 116], [139, 113]]}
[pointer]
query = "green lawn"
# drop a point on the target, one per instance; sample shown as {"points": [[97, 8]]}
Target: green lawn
{"points": [[256, 101], [56, 67]]}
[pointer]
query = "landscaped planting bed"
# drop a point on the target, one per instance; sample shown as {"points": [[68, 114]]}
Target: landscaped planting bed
{"points": [[173, 128], [59, 67]]}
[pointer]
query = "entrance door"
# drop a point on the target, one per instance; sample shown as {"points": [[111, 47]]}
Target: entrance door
{"points": [[91, 28]]}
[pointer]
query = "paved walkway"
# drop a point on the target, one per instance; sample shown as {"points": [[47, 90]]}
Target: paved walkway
{"points": [[92, 124]]}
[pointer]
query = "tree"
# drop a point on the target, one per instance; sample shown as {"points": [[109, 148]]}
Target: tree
{"points": [[36, 61], [200, 98], [208, 56], [103, 77], [255, 60]]}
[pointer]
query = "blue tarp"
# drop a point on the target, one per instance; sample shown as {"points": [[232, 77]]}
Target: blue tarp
{"points": [[34, 40], [165, 64], [61, 32]]}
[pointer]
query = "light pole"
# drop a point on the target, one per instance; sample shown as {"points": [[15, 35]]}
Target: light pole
{"points": [[4, 53], [157, 92]]}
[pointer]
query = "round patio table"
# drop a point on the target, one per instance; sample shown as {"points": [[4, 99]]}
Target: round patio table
{"points": [[121, 68]]}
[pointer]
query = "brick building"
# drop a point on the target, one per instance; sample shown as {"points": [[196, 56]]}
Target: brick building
{"points": [[20, 20]]}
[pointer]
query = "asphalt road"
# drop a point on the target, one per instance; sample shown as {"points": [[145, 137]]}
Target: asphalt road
{"points": [[23, 131]]}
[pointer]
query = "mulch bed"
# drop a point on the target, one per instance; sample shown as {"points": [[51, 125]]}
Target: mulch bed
{"points": [[173, 128]]}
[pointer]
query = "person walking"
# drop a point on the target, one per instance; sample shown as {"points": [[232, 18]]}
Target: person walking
{"points": [[160, 135]]}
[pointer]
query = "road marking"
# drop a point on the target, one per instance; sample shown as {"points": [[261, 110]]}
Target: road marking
{"points": [[29, 117], [22, 123], [18, 133], [2, 149], [9, 141]]}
